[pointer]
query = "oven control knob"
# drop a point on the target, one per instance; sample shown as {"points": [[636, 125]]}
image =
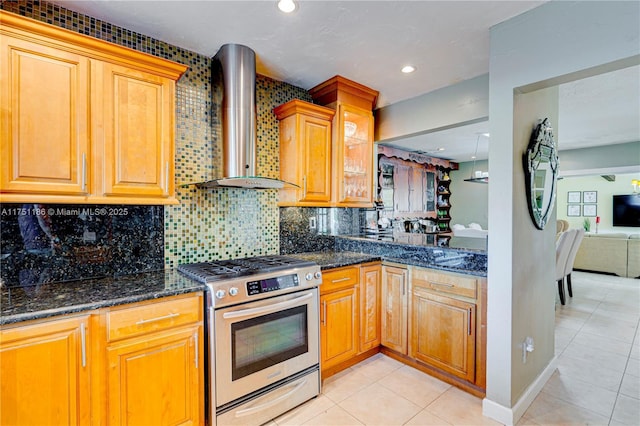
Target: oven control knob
{"points": [[317, 275], [220, 294], [309, 276], [233, 291]]}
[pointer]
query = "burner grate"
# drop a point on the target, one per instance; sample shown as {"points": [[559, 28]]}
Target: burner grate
{"points": [[228, 269]]}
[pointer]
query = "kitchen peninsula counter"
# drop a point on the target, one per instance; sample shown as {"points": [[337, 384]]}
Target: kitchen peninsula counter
{"points": [[462, 255], [49, 299]]}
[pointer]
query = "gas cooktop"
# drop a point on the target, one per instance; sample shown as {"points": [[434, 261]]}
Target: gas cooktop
{"points": [[218, 270]]}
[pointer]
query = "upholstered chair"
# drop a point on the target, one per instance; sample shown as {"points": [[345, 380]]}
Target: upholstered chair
{"points": [[563, 247], [577, 240]]}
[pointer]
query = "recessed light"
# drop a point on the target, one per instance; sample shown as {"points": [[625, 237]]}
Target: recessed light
{"points": [[286, 6], [486, 134], [473, 157], [441, 149], [408, 69]]}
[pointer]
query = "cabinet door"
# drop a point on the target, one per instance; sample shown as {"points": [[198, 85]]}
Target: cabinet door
{"points": [[156, 379], [316, 157], [401, 188], [370, 282], [416, 191], [44, 370], [44, 103], [443, 333], [339, 326], [394, 308], [138, 133], [354, 160]]}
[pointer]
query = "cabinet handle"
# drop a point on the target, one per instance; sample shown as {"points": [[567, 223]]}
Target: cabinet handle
{"points": [[83, 340], [304, 187], [324, 312], [195, 336], [143, 321], [469, 323], [443, 284], [339, 280], [166, 178], [84, 172]]}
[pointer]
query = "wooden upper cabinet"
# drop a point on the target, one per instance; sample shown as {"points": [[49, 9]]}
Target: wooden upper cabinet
{"points": [[352, 140], [138, 133], [354, 156], [83, 120], [305, 153], [44, 101], [45, 373]]}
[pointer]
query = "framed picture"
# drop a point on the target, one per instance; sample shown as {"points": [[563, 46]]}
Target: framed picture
{"points": [[590, 196], [573, 196], [573, 210], [589, 210]]}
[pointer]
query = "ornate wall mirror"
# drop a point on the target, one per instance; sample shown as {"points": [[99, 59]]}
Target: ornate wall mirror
{"points": [[541, 173]]}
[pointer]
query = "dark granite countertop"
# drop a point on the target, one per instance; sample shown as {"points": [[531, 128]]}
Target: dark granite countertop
{"points": [[45, 300], [434, 258], [463, 260], [336, 259]]}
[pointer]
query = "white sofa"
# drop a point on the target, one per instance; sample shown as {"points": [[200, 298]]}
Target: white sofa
{"points": [[615, 253]]}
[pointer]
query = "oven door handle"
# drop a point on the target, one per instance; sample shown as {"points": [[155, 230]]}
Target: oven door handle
{"points": [[266, 309], [251, 410]]}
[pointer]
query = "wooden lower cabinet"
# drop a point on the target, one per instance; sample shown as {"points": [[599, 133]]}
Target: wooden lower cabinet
{"points": [[135, 364], [156, 379], [349, 316], [45, 373], [154, 362], [394, 308], [370, 292], [443, 333], [339, 326]]}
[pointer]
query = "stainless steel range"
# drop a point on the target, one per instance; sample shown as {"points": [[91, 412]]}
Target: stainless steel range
{"points": [[263, 331]]}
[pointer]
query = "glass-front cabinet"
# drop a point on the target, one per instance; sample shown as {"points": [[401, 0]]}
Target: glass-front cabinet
{"points": [[354, 175]]}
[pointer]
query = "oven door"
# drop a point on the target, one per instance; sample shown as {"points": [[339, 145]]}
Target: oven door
{"points": [[260, 343]]}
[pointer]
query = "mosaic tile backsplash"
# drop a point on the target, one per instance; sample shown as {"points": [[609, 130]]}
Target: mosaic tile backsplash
{"points": [[214, 223]]}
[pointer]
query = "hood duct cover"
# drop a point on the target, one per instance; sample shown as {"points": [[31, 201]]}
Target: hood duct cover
{"points": [[235, 67]]}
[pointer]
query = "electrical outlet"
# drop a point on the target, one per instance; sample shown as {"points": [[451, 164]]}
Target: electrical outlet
{"points": [[312, 223], [527, 346]]}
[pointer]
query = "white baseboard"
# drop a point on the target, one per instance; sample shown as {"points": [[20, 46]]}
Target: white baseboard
{"points": [[510, 416]]}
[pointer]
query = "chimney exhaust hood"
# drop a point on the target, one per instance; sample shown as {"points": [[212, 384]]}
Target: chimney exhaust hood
{"points": [[235, 67]]}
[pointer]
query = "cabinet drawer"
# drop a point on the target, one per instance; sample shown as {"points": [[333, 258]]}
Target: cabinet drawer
{"points": [[333, 279], [445, 283], [158, 315]]}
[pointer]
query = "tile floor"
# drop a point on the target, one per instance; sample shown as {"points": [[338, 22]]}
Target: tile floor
{"points": [[597, 381]]}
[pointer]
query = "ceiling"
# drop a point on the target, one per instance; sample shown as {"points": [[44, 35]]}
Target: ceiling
{"points": [[595, 111], [369, 42]]}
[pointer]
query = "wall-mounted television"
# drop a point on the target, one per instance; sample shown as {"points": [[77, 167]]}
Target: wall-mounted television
{"points": [[626, 210]]}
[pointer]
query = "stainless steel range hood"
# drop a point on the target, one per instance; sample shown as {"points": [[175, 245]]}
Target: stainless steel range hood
{"points": [[235, 67]]}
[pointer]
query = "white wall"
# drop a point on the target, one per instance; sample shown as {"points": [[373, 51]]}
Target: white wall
{"points": [[554, 43], [464, 102], [469, 201], [606, 190]]}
